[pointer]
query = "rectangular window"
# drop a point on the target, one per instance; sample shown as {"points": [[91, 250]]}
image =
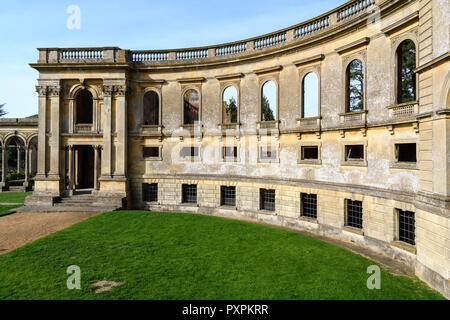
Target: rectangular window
{"points": [[267, 199], [406, 227], [354, 217], [354, 152], [150, 152], [310, 153], [309, 205], [150, 192], [267, 153], [189, 193], [189, 152], [406, 152], [228, 196], [229, 152]]}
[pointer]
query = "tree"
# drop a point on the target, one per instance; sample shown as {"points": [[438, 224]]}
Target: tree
{"points": [[230, 110], [267, 113], [2, 110]]}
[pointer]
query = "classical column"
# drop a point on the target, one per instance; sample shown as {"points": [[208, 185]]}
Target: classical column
{"points": [[55, 93], [96, 165], [121, 128], [42, 133], [4, 165], [27, 167], [18, 157], [75, 170], [106, 158], [71, 169]]}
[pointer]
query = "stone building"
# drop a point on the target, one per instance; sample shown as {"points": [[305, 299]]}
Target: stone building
{"points": [[339, 125]]}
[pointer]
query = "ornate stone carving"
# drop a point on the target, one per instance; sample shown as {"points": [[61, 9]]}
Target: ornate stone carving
{"points": [[121, 91], [108, 91], [55, 91], [41, 90]]}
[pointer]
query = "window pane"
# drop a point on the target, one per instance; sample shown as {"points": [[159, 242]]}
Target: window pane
{"points": [[269, 102], [406, 63], [310, 95], [191, 106], [84, 107], [151, 108], [355, 82], [230, 105]]}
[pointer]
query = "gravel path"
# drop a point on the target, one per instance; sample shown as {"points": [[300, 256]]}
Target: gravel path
{"points": [[19, 229]]}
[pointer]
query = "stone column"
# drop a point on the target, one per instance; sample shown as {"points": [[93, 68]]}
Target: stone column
{"points": [[18, 158], [4, 167], [121, 128], [107, 108], [42, 133], [71, 169], [27, 168], [54, 126], [75, 170], [96, 165]]}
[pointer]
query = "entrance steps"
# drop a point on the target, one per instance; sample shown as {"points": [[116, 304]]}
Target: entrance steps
{"points": [[82, 202]]}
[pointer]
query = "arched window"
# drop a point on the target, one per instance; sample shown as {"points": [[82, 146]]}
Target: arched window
{"points": [[230, 105], [406, 77], [151, 108], [355, 86], [269, 101], [191, 106], [84, 107], [310, 96]]}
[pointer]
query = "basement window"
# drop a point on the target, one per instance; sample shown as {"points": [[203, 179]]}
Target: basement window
{"points": [[354, 214], [189, 152], [310, 153], [267, 199], [308, 205], [150, 152], [354, 152], [406, 227], [406, 152], [150, 192], [228, 196], [189, 193]]}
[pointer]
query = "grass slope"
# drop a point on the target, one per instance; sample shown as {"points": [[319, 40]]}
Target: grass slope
{"points": [[185, 256], [13, 197]]}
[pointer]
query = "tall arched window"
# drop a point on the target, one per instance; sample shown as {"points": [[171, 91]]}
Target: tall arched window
{"points": [[84, 107], [310, 95], [191, 106], [230, 105], [151, 108], [406, 77], [355, 86], [269, 101]]}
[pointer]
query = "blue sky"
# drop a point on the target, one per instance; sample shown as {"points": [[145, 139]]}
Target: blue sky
{"points": [[131, 24]]}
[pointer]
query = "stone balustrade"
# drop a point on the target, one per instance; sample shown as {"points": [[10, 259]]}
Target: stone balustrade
{"points": [[349, 11]]}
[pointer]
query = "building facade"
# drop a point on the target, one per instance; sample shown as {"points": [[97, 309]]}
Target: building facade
{"points": [[339, 125]]}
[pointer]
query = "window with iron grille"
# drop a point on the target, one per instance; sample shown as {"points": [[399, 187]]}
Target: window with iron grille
{"points": [[229, 152], [354, 212], [150, 152], [228, 196], [150, 192], [267, 199], [310, 153], [189, 193], [189, 152], [406, 152], [406, 227], [354, 152], [309, 205]]}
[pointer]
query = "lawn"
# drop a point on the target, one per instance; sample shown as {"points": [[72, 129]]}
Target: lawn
{"points": [[186, 256], [11, 197]]}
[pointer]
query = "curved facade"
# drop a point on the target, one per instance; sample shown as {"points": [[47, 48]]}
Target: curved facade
{"points": [[339, 125]]}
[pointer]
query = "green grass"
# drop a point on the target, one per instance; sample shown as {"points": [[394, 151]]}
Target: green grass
{"points": [[185, 256], [14, 197], [6, 209]]}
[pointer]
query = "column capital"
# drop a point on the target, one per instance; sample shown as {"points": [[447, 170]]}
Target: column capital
{"points": [[41, 90], [98, 146], [55, 91], [121, 91], [108, 91]]}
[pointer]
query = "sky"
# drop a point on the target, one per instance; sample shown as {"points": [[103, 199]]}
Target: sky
{"points": [[131, 24]]}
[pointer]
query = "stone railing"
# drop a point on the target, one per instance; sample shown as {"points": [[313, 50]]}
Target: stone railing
{"points": [[83, 128], [404, 110], [334, 19]]}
